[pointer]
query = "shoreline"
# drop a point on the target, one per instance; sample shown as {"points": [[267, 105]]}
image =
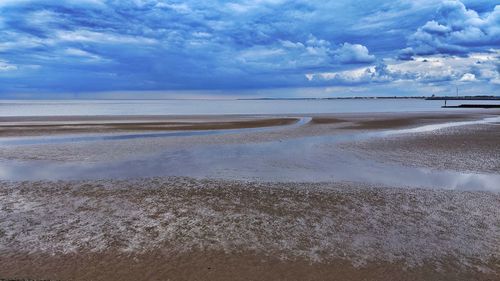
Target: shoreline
{"points": [[360, 141], [60, 125], [84, 125], [199, 227]]}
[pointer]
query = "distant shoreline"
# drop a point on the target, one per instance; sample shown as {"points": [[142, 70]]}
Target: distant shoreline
{"points": [[341, 98], [221, 107], [478, 97], [465, 98]]}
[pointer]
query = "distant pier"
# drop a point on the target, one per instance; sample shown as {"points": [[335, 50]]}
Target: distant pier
{"points": [[472, 106], [465, 98], [469, 98]]}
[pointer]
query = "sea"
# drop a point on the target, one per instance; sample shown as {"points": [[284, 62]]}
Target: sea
{"points": [[12, 108]]}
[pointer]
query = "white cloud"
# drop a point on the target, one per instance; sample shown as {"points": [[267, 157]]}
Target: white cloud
{"points": [[455, 30], [101, 37], [5, 66], [468, 77], [180, 8], [260, 53], [288, 55], [353, 53], [311, 53], [17, 41], [426, 69], [42, 17], [90, 57], [251, 5], [23, 41], [5, 3]]}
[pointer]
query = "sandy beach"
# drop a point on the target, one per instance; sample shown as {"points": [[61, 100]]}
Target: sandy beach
{"points": [[186, 229], [242, 206], [469, 148], [249, 140], [49, 125], [109, 124]]}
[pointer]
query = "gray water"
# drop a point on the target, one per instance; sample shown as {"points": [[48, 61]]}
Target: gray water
{"points": [[213, 107]]}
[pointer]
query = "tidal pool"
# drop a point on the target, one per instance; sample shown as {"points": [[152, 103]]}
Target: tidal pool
{"points": [[304, 159]]}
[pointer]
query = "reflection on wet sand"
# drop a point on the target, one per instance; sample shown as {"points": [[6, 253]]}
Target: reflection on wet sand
{"points": [[185, 131], [317, 198], [304, 159], [308, 161], [85, 125]]}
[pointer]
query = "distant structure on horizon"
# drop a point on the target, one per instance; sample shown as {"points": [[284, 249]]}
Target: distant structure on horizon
{"points": [[479, 97]]}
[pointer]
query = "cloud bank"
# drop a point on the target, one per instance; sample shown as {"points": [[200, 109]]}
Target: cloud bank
{"points": [[455, 30], [161, 45]]}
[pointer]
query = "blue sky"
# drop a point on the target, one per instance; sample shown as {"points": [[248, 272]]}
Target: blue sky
{"points": [[160, 48]]}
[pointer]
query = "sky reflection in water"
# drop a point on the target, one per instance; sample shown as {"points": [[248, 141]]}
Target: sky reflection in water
{"points": [[308, 159]]}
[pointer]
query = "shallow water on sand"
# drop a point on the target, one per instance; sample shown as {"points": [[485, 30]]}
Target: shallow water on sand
{"points": [[435, 127], [306, 159], [130, 136]]}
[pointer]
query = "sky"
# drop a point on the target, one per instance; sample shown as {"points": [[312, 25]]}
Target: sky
{"points": [[260, 48]]}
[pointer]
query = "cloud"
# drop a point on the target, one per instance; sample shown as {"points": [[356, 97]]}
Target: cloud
{"points": [[78, 3], [353, 53], [101, 37], [455, 30], [364, 75], [98, 45], [468, 77], [312, 53], [87, 56], [5, 66], [478, 67]]}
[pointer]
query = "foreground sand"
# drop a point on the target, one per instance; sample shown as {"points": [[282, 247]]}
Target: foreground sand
{"points": [[186, 229]]}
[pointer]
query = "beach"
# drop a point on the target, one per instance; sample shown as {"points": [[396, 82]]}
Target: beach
{"points": [[249, 140], [32, 126], [186, 229], [347, 196]]}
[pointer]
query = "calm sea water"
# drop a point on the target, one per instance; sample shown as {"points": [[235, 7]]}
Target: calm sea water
{"points": [[208, 107]]}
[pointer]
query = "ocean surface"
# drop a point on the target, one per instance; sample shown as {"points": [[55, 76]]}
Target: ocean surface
{"points": [[214, 107]]}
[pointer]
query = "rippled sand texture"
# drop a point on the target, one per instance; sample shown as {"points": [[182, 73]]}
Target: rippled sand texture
{"points": [[465, 148], [181, 228], [185, 229]]}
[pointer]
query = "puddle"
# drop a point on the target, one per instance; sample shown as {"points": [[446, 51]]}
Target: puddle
{"points": [[435, 127], [301, 160]]}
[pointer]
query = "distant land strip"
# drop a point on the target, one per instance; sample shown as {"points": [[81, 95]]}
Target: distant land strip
{"points": [[465, 98], [388, 97], [472, 106]]}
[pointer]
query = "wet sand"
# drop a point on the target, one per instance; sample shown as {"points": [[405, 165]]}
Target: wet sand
{"points": [[51, 125], [389, 120], [36, 126], [467, 148], [207, 229], [320, 125], [186, 229], [213, 265]]}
